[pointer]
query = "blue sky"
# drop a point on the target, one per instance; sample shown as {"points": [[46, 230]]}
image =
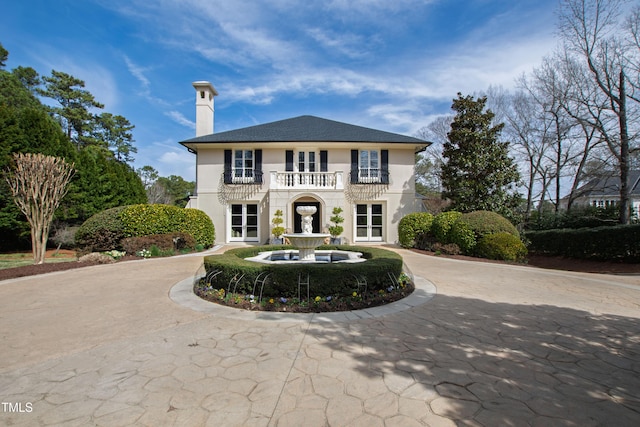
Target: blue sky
{"points": [[392, 65]]}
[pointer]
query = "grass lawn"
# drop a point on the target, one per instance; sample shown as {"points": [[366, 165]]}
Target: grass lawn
{"points": [[18, 259]]}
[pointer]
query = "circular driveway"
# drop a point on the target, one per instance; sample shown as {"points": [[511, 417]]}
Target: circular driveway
{"points": [[480, 344]]}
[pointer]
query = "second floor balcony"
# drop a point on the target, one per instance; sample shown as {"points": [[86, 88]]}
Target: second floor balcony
{"points": [[307, 180]]}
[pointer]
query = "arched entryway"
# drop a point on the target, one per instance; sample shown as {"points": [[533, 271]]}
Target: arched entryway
{"points": [[307, 201]]}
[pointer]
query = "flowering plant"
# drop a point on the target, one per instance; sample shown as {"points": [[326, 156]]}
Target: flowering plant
{"points": [[144, 253], [115, 254]]}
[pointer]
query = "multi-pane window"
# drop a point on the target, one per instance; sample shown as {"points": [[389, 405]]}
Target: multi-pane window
{"points": [[306, 161], [244, 222], [369, 166], [369, 222], [243, 165]]}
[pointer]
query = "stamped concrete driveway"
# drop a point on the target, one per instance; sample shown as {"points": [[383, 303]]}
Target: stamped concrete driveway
{"points": [[496, 346]]}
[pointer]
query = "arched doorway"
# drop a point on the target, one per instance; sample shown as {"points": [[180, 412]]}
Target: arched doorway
{"points": [[297, 218]]}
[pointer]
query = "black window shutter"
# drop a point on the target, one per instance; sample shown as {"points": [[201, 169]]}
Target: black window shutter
{"points": [[257, 173], [289, 161], [227, 166], [323, 161], [384, 157], [354, 166]]}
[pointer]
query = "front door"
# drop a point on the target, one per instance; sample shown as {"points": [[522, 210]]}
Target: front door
{"points": [[297, 218], [244, 222], [369, 222]]}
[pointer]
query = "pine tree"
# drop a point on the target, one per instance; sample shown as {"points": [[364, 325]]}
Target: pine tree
{"points": [[75, 102], [478, 173]]}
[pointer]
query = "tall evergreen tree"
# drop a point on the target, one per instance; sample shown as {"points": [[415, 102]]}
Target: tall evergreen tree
{"points": [[178, 189], [4, 55], [115, 132], [478, 173], [75, 102]]}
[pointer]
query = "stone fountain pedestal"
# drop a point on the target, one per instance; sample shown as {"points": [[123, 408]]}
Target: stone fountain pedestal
{"points": [[307, 241]]}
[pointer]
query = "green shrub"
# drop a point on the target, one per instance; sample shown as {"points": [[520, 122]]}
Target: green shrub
{"points": [[102, 232], [198, 224], [462, 235], [105, 230], [501, 246], [164, 242], [324, 279], [442, 224], [412, 226], [144, 220], [621, 242], [577, 217], [486, 222]]}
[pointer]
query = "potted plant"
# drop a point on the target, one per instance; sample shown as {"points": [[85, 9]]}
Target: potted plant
{"points": [[336, 229], [277, 230]]}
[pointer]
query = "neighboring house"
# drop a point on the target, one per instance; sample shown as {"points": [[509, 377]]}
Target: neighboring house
{"points": [[605, 191], [244, 176]]}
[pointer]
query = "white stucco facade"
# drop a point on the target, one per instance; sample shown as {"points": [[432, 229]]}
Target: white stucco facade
{"points": [[241, 182]]}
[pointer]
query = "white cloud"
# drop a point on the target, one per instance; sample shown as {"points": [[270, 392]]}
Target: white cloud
{"points": [[273, 50], [137, 72], [347, 44], [179, 118]]}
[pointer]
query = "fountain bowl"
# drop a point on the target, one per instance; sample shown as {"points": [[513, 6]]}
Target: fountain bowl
{"points": [[306, 210], [306, 243]]}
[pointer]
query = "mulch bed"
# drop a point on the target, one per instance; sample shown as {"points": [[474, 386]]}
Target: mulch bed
{"points": [[558, 263], [48, 267]]}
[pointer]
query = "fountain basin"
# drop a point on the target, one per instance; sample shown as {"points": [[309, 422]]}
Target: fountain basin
{"points": [[291, 256], [306, 243]]}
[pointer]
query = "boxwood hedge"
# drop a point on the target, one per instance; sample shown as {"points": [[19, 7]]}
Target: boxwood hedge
{"points": [[337, 279], [621, 242]]}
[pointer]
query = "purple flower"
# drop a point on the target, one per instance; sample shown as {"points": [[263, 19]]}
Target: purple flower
{"points": [[328, 298], [283, 300]]}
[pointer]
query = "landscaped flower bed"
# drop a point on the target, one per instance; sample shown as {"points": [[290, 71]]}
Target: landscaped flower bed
{"points": [[304, 287], [315, 304]]}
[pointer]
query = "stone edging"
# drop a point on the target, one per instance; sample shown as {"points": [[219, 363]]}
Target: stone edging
{"points": [[182, 294]]}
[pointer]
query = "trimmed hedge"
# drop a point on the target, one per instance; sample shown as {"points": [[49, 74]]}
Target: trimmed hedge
{"points": [[487, 222], [442, 224], [164, 242], [105, 230], [463, 235], [412, 226], [621, 242], [502, 246], [324, 279], [102, 232], [454, 232]]}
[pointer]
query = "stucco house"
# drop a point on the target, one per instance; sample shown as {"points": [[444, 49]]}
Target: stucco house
{"points": [[605, 191], [244, 176]]}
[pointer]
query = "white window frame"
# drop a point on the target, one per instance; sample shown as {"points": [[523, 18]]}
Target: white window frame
{"points": [[243, 166], [244, 226], [306, 162], [369, 166], [369, 222]]}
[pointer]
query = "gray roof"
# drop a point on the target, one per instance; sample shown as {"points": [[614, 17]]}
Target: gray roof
{"points": [[305, 128], [610, 186]]}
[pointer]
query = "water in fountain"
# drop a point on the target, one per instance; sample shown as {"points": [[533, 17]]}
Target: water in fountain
{"points": [[307, 242]]}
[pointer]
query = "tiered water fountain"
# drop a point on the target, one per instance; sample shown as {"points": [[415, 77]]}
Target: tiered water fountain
{"points": [[306, 243]]}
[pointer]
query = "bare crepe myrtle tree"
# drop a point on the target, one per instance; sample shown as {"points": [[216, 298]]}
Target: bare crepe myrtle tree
{"points": [[38, 184]]}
